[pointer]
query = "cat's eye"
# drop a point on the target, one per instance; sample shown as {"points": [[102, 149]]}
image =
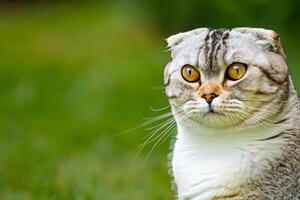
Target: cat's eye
{"points": [[236, 71], [190, 73]]}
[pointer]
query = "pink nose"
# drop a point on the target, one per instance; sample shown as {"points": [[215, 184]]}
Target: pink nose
{"points": [[209, 97]]}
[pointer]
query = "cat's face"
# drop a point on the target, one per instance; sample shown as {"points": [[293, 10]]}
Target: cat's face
{"points": [[226, 78]]}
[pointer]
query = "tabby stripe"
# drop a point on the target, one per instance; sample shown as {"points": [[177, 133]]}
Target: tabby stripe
{"points": [[168, 81], [173, 97], [265, 71], [283, 120], [215, 37], [223, 197], [272, 137], [224, 43]]}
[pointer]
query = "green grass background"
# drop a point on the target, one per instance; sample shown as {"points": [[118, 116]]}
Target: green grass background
{"points": [[71, 78]]}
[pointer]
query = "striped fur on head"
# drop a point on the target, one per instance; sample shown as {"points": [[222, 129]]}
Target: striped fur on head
{"points": [[211, 51]]}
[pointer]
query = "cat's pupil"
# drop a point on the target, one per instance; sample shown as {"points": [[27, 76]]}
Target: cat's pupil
{"points": [[189, 70], [237, 69]]}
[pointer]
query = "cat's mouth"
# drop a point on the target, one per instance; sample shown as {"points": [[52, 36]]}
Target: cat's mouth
{"points": [[214, 113], [218, 114], [214, 118]]}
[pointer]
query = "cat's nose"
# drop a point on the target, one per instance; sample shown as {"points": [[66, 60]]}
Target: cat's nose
{"points": [[209, 97]]}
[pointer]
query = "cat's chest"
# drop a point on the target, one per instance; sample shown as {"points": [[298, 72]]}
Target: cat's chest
{"points": [[204, 170]]}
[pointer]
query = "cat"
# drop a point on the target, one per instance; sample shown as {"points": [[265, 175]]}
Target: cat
{"points": [[237, 116]]}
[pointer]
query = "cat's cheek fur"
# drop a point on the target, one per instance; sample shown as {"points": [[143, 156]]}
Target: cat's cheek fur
{"points": [[198, 106]]}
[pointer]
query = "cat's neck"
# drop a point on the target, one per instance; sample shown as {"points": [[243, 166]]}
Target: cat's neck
{"points": [[208, 162], [216, 141]]}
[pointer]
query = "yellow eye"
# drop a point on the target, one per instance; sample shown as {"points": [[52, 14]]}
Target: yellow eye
{"points": [[236, 71], [190, 73]]}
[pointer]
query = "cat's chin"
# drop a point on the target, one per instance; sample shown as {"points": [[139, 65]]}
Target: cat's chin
{"points": [[214, 120]]}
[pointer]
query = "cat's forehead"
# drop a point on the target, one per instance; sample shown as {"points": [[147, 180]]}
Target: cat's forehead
{"points": [[210, 49]]}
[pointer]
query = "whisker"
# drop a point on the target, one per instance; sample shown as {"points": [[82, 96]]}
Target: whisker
{"points": [[158, 117], [232, 117], [149, 121], [171, 132], [141, 147], [164, 124], [161, 137], [150, 136], [158, 129], [159, 109], [259, 100], [153, 127], [259, 120], [268, 111]]}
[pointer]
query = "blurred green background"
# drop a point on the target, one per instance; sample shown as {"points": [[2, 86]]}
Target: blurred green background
{"points": [[74, 74]]}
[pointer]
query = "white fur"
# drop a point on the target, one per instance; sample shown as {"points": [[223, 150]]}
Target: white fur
{"points": [[207, 161]]}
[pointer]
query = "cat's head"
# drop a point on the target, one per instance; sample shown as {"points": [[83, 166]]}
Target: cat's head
{"points": [[225, 78]]}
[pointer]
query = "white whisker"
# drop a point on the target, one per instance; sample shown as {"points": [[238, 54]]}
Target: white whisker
{"points": [[149, 121], [159, 109], [162, 135]]}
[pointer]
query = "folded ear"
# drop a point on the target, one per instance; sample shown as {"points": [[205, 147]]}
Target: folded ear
{"points": [[266, 38], [276, 69], [175, 40]]}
